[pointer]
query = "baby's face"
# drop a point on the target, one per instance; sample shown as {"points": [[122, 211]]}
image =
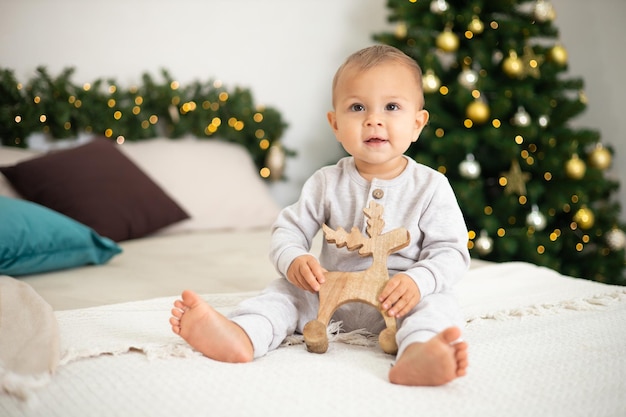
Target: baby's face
{"points": [[378, 114]]}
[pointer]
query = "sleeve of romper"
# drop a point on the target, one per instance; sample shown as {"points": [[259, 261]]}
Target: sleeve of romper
{"points": [[443, 257], [296, 225]]}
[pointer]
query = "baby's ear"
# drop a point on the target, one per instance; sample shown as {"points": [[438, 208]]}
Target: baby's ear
{"points": [[421, 119], [332, 120]]}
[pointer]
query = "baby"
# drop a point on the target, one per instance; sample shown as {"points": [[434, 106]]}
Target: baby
{"points": [[378, 111]]}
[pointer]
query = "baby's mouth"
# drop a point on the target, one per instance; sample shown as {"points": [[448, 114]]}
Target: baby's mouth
{"points": [[376, 140]]}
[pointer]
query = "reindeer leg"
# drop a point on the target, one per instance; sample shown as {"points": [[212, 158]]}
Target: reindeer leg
{"points": [[331, 297], [315, 336], [387, 338]]}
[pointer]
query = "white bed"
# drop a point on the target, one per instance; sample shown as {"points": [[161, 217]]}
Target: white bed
{"points": [[541, 344]]}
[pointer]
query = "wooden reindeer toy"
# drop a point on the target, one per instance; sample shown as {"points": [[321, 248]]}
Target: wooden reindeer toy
{"points": [[362, 286]]}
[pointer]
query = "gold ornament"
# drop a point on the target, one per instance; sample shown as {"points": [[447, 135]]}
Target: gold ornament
{"points": [[584, 218], [430, 82], [476, 26], [447, 41], [600, 157], [558, 55], [575, 167], [513, 66], [478, 111], [515, 179], [401, 30]]}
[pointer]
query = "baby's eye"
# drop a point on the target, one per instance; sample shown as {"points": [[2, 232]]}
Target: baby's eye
{"points": [[392, 106], [357, 107]]}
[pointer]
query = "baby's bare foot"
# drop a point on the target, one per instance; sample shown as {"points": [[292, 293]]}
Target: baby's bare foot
{"points": [[208, 331], [436, 362]]}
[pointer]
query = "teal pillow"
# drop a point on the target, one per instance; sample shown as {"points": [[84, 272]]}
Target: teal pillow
{"points": [[36, 239]]}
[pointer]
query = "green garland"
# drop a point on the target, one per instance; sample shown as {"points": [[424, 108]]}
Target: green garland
{"points": [[62, 109]]}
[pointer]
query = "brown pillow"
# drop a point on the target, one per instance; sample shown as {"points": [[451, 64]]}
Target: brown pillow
{"points": [[95, 184]]}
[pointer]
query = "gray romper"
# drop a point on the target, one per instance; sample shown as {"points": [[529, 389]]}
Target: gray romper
{"points": [[420, 200]]}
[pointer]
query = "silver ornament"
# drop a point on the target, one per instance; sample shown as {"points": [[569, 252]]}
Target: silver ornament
{"points": [[543, 121], [544, 11], [497, 57], [615, 239], [484, 244], [439, 6], [521, 118], [468, 78], [536, 219], [275, 161], [469, 168]]}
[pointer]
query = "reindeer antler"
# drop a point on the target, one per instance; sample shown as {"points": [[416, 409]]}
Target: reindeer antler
{"points": [[375, 222], [341, 238], [355, 239]]}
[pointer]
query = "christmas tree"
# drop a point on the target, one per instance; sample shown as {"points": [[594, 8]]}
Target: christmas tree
{"points": [[532, 187]]}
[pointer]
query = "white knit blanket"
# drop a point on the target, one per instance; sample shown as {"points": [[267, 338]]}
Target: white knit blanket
{"points": [[540, 345]]}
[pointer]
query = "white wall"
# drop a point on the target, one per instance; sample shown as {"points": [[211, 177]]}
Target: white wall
{"points": [[286, 51]]}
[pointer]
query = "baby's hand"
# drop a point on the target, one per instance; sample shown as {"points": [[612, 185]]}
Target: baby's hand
{"points": [[399, 296], [305, 272]]}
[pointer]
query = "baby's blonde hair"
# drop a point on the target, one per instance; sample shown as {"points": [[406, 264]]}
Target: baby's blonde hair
{"points": [[371, 56]]}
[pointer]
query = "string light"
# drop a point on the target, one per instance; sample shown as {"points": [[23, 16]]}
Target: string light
{"points": [[153, 109]]}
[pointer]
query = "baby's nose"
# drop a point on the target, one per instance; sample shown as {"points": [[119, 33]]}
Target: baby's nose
{"points": [[374, 119]]}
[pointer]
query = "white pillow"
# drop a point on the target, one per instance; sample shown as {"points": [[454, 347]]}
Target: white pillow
{"points": [[11, 156], [215, 181]]}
